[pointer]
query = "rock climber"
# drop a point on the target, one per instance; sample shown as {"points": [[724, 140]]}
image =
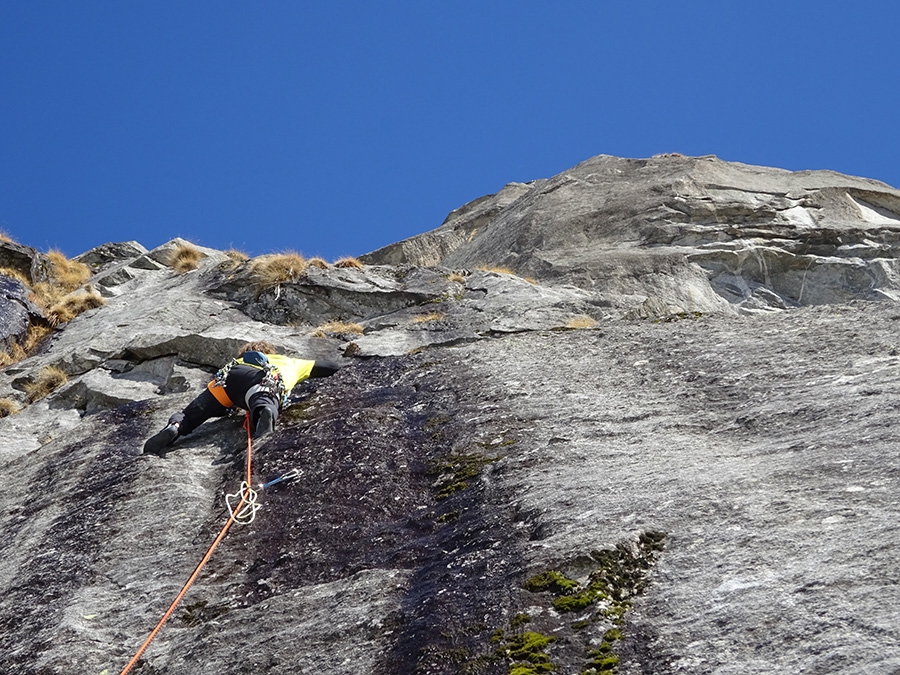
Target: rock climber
{"points": [[258, 380]]}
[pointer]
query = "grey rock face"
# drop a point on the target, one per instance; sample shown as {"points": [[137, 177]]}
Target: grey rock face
{"points": [[688, 230], [711, 492], [16, 311], [333, 294], [13, 316], [102, 257], [32, 264]]}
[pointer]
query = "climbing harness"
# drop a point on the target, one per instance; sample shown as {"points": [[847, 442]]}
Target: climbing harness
{"points": [[242, 513], [219, 392]]}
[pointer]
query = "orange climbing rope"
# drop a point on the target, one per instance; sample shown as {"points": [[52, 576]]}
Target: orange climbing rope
{"points": [[247, 499]]}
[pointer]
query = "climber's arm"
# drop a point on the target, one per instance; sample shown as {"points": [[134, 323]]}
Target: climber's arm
{"points": [[324, 368]]}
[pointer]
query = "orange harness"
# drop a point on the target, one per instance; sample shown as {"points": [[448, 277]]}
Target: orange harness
{"points": [[219, 393]]}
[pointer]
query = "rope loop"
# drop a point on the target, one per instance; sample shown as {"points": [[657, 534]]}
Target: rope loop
{"points": [[243, 504]]}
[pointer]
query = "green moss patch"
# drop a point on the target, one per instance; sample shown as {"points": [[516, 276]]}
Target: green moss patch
{"points": [[519, 620], [434, 424], [456, 471], [541, 642], [552, 581], [575, 603], [450, 517], [603, 662], [619, 574], [526, 653]]}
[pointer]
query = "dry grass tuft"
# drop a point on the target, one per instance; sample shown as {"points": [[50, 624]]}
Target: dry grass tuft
{"points": [[67, 274], [5, 237], [34, 336], [15, 274], [235, 259], [70, 306], [56, 298], [185, 258], [45, 295], [497, 270], [318, 262], [348, 262], [506, 270], [337, 327], [456, 277], [271, 270], [14, 355], [581, 321], [425, 318], [48, 380], [8, 407]]}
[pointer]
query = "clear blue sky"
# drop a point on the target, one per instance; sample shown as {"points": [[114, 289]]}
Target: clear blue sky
{"points": [[334, 128]]}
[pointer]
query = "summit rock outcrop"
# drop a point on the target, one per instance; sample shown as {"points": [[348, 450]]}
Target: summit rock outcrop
{"points": [[695, 232], [637, 418]]}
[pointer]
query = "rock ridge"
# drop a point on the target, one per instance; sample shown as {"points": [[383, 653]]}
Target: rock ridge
{"points": [[756, 237]]}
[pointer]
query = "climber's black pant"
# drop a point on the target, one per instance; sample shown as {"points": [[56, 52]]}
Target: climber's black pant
{"points": [[239, 382]]}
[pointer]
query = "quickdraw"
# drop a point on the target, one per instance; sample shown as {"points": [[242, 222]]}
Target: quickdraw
{"points": [[273, 383], [293, 473]]}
